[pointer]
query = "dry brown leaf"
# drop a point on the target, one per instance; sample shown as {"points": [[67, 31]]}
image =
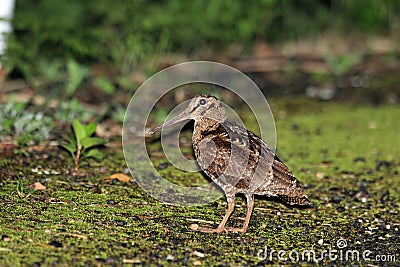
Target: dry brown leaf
{"points": [[133, 261], [37, 186], [197, 263], [194, 226], [120, 177], [199, 220], [198, 254]]}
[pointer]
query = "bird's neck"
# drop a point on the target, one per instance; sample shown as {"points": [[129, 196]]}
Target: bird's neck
{"points": [[203, 124]]}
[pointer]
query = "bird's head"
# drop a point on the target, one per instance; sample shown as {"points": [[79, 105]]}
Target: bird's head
{"points": [[201, 106]]}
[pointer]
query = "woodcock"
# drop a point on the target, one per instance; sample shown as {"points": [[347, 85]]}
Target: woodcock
{"points": [[236, 159]]}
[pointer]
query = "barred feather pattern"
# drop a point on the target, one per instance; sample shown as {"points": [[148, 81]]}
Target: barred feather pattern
{"points": [[239, 161]]}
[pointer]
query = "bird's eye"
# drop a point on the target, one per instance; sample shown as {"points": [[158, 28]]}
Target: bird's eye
{"points": [[202, 101]]}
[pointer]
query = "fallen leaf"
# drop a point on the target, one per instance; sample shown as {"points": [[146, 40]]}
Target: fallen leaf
{"points": [[194, 226], [197, 263], [199, 220], [120, 177], [198, 254], [133, 261], [37, 186]]}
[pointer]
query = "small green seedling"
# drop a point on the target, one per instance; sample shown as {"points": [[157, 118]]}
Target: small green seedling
{"points": [[83, 144], [22, 191]]}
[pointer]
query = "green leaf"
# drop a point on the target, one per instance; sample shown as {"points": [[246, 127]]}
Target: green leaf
{"points": [[69, 147], [19, 106], [70, 139], [160, 115], [104, 84], [94, 153], [79, 130], [7, 124], [89, 142], [90, 129], [76, 74]]}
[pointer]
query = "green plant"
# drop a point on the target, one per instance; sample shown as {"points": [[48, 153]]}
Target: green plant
{"points": [[82, 144], [76, 74], [21, 190], [115, 34], [18, 121], [339, 65], [8, 115], [71, 109], [58, 76], [23, 142], [119, 114], [104, 84], [160, 115], [51, 71]]}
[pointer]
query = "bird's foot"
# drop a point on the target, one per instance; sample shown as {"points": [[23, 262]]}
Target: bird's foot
{"points": [[236, 230], [217, 230]]}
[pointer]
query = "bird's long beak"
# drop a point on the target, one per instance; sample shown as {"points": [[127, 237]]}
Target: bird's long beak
{"points": [[178, 118]]}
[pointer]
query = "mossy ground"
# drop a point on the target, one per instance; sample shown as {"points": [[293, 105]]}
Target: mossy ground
{"points": [[347, 158]]}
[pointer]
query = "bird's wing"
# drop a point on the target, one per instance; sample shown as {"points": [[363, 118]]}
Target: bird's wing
{"points": [[232, 155], [236, 153], [276, 181], [284, 185]]}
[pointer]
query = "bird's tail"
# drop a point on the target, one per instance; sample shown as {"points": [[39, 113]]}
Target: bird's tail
{"points": [[295, 200]]}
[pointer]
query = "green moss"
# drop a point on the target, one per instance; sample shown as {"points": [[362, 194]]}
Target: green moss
{"points": [[347, 157]]}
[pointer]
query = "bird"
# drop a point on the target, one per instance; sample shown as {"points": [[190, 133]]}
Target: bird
{"points": [[236, 159]]}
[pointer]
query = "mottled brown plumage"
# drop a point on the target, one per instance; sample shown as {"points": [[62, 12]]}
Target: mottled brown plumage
{"points": [[236, 159]]}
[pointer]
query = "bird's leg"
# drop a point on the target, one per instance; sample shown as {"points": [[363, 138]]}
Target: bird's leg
{"points": [[221, 226], [250, 206]]}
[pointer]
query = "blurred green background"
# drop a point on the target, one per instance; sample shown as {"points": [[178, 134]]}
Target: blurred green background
{"points": [[123, 34], [69, 58]]}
